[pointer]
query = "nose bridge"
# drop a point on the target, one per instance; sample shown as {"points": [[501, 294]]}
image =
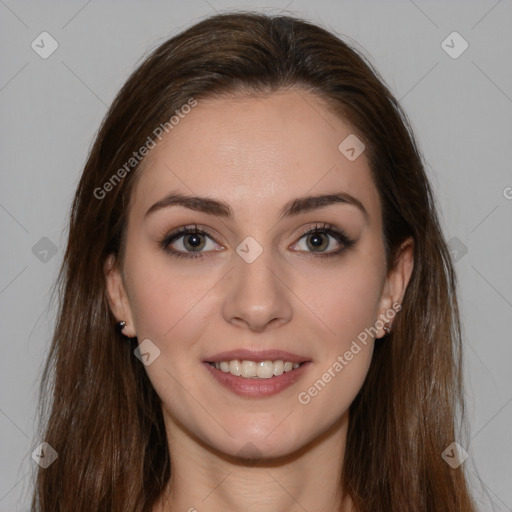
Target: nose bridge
{"points": [[257, 294]]}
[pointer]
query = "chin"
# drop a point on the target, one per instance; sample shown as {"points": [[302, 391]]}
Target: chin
{"points": [[253, 441]]}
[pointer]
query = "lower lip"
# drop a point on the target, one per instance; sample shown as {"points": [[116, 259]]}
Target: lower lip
{"points": [[257, 388]]}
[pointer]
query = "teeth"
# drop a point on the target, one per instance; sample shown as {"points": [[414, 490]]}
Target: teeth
{"points": [[265, 369], [251, 369], [235, 368], [278, 368], [248, 369]]}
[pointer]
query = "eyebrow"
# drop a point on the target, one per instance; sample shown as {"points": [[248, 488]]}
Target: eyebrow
{"points": [[290, 209]]}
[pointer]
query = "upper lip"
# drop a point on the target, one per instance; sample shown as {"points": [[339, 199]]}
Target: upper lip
{"points": [[256, 356]]}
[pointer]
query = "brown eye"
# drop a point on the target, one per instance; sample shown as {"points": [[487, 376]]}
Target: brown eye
{"points": [[318, 241], [188, 242], [193, 242], [319, 238]]}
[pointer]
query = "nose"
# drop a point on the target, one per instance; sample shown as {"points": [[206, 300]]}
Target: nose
{"points": [[257, 295]]}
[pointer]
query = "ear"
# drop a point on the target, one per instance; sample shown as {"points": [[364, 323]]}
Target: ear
{"points": [[117, 296], [396, 281]]}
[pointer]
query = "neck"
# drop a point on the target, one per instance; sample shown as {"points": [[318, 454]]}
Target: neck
{"points": [[205, 479]]}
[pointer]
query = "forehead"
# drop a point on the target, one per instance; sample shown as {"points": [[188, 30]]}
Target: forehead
{"points": [[256, 152]]}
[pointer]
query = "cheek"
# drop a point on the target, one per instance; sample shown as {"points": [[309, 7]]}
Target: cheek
{"points": [[170, 309], [344, 299], [347, 303], [167, 304]]}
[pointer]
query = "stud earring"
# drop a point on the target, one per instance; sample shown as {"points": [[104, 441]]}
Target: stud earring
{"points": [[387, 328], [120, 327]]}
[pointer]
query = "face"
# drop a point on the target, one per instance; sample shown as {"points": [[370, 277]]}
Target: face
{"points": [[264, 274]]}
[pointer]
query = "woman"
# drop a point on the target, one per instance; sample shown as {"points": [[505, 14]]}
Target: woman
{"points": [[258, 305]]}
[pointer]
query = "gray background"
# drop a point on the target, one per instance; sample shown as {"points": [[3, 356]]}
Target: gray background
{"points": [[460, 108]]}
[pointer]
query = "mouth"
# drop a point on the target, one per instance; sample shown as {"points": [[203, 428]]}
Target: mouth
{"points": [[256, 374]]}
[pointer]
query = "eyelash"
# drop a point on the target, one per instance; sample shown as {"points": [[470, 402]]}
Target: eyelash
{"points": [[339, 235]]}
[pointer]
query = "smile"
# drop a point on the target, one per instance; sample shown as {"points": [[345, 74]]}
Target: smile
{"points": [[256, 370]]}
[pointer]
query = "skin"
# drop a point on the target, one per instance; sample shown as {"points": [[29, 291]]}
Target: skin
{"points": [[255, 153]]}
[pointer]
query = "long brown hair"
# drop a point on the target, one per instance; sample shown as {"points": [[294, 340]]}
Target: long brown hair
{"points": [[99, 410]]}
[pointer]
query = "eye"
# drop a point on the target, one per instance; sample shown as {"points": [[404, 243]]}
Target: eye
{"points": [[318, 239], [190, 241]]}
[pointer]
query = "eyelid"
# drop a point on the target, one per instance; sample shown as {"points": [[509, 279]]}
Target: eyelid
{"points": [[337, 233], [178, 233]]}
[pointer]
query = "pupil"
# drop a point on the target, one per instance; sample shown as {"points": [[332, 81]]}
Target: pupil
{"points": [[316, 240], [193, 241]]}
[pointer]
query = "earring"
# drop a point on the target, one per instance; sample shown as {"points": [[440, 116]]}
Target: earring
{"points": [[387, 328], [120, 327]]}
